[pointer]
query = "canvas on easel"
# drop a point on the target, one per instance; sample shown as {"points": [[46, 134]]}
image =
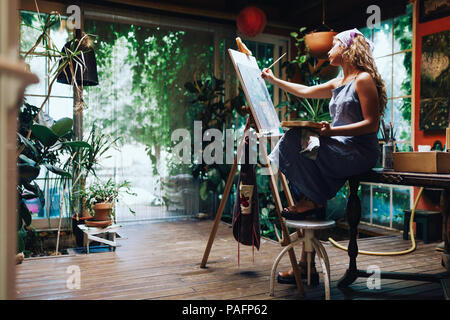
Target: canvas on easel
{"points": [[258, 97]]}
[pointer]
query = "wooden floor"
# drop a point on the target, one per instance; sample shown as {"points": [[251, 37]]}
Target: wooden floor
{"points": [[161, 261]]}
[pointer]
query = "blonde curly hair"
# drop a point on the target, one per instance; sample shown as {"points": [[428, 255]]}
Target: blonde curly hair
{"points": [[359, 55]]}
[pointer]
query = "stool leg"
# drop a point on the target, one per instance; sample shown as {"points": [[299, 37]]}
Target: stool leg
{"points": [[308, 263], [325, 269], [274, 267], [324, 256], [353, 212]]}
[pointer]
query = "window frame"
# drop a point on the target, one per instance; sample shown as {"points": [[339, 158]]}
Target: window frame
{"points": [[394, 53]]}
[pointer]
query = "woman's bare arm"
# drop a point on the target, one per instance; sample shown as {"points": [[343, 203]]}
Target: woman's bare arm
{"points": [[321, 91]]}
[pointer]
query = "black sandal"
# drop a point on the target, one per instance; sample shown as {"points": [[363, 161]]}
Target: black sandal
{"points": [[315, 214]]}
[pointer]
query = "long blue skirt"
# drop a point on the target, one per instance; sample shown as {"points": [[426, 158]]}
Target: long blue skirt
{"points": [[338, 158]]}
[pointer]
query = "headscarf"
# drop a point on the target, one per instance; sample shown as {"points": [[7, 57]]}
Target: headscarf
{"points": [[347, 37]]}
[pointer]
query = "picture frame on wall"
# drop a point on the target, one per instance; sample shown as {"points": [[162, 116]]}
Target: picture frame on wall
{"points": [[433, 9], [435, 81]]}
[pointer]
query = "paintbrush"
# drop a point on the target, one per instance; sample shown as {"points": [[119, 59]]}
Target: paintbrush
{"points": [[274, 62]]}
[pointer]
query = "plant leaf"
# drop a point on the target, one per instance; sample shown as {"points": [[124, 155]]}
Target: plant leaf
{"points": [[27, 172], [78, 144], [44, 134], [57, 171], [28, 144], [62, 126], [24, 213]]}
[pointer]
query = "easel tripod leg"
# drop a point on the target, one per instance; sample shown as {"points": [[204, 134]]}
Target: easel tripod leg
{"points": [[224, 199], [219, 213]]}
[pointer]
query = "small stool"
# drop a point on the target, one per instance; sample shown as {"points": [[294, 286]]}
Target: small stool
{"points": [[430, 223], [310, 244], [91, 233]]}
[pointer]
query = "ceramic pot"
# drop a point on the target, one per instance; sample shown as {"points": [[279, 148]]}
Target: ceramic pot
{"points": [[388, 156], [319, 43], [102, 211]]}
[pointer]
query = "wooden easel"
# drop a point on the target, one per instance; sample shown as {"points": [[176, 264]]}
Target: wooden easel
{"points": [[273, 184]]}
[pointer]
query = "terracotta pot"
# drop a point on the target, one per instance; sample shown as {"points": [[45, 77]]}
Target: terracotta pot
{"points": [[98, 224], [102, 211], [319, 43]]}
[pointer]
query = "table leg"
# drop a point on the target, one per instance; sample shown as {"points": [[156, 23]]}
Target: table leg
{"points": [[353, 212], [445, 206]]}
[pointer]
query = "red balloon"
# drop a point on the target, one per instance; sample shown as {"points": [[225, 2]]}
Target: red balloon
{"points": [[251, 21]]}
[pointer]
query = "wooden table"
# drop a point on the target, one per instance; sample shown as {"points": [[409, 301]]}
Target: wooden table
{"points": [[353, 212]]}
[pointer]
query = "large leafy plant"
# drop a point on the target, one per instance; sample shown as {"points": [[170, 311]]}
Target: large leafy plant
{"points": [[83, 161], [41, 143], [44, 148], [209, 107]]}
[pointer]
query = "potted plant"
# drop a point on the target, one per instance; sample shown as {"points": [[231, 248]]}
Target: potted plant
{"points": [[320, 41], [41, 140], [101, 198], [305, 109], [388, 136], [313, 65]]}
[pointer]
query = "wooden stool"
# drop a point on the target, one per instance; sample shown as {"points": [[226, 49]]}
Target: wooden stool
{"points": [[310, 244]]}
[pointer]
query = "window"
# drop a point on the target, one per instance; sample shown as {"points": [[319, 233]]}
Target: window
{"points": [[143, 66], [59, 104], [393, 56], [384, 204]]}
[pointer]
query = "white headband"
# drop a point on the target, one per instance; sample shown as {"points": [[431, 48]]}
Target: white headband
{"points": [[347, 37]]}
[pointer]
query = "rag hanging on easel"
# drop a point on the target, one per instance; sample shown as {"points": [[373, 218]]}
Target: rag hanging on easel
{"points": [[246, 227]]}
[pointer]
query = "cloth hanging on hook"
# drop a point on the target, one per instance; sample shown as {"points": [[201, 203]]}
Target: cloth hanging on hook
{"points": [[246, 225]]}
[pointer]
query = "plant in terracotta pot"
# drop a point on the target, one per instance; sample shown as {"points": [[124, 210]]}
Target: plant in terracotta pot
{"points": [[315, 68], [101, 198], [320, 41]]}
